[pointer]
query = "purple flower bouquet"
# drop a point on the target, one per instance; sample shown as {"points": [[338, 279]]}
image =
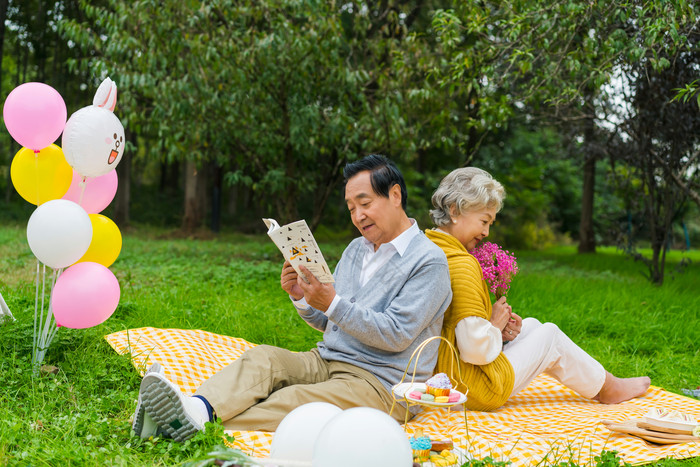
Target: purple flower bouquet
{"points": [[498, 266]]}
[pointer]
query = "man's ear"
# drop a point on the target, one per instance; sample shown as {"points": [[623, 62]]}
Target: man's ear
{"points": [[395, 195]]}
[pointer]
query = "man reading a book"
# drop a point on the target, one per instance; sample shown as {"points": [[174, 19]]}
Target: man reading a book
{"points": [[391, 290]]}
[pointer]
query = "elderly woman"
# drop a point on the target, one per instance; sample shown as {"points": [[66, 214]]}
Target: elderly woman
{"points": [[500, 353]]}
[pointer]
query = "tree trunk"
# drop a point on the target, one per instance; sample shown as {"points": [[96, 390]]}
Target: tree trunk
{"points": [[170, 177], [331, 179], [586, 235], [217, 177], [122, 201], [3, 16], [195, 196], [287, 200]]}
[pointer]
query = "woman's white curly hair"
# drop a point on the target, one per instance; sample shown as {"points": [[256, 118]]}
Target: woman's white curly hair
{"points": [[465, 189]]}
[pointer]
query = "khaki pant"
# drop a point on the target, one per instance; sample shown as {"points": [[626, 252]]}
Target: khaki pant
{"points": [[260, 388]]}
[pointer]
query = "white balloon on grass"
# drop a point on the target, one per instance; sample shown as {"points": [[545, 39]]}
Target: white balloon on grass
{"points": [[295, 436], [362, 436], [93, 138], [59, 233]]}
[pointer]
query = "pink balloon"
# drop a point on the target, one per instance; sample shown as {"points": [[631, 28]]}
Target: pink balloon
{"points": [[85, 295], [35, 115], [99, 191]]}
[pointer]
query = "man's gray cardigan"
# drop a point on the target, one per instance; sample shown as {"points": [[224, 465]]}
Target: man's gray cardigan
{"points": [[378, 326]]}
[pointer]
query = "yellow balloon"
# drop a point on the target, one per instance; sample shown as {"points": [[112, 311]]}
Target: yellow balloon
{"points": [[42, 176], [106, 241]]}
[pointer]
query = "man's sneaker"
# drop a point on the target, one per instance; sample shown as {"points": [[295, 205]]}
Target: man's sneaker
{"points": [[169, 408], [143, 425]]}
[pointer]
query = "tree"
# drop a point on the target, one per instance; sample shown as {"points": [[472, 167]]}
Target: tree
{"points": [[553, 59], [661, 137], [279, 94], [32, 50]]}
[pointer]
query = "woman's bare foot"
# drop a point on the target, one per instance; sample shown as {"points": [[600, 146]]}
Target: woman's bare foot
{"points": [[616, 390]]}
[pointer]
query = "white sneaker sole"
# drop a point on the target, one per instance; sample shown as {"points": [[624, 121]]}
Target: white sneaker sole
{"points": [[143, 425], [166, 405]]}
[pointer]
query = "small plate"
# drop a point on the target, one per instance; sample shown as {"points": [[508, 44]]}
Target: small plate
{"points": [[403, 388]]}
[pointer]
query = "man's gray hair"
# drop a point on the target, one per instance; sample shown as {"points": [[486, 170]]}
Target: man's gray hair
{"points": [[465, 189]]}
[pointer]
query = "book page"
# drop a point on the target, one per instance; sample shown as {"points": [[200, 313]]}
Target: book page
{"points": [[298, 246]]}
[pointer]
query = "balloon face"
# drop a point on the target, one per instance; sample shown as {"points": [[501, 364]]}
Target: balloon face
{"points": [[93, 141], [40, 176], [95, 194], [106, 241], [297, 433], [59, 233], [362, 436], [85, 295], [35, 115]]}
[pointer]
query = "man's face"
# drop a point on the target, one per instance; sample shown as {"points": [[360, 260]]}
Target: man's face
{"points": [[377, 218]]}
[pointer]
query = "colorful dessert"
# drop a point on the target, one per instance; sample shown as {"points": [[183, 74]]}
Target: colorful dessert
{"points": [[416, 395], [427, 398], [454, 396], [421, 446], [444, 459], [442, 399], [441, 445], [439, 385]]}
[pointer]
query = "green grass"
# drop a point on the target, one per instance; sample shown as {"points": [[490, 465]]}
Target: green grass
{"points": [[230, 285]]}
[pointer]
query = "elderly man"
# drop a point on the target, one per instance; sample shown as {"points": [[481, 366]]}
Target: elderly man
{"points": [[391, 290]]}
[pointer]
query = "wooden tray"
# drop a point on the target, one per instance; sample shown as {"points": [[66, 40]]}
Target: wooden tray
{"points": [[650, 425], [631, 427]]}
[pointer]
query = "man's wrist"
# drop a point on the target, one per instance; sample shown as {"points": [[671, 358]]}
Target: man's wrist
{"points": [[300, 304]]}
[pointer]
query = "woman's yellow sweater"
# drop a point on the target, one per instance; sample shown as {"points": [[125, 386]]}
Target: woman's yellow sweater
{"points": [[489, 385]]}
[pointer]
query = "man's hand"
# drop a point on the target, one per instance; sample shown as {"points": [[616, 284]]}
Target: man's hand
{"points": [[318, 295], [288, 280]]}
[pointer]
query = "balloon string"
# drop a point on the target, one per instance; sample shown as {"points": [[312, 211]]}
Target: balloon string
{"points": [[49, 324], [36, 175], [82, 191], [36, 314]]}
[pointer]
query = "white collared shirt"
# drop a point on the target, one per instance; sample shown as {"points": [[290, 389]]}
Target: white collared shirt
{"points": [[374, 260]]}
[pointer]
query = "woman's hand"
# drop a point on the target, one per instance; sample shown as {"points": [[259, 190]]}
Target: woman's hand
{"points": [[288, 281], [500, 314], [513, 327]]}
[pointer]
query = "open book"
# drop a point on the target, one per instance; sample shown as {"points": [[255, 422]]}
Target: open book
{"points": [[298, 245]]}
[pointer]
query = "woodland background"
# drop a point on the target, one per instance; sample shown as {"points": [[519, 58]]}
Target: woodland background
{"points": [[587, 111]]}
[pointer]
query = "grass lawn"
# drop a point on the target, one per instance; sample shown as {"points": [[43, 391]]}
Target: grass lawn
{"points": [[230, 285]]}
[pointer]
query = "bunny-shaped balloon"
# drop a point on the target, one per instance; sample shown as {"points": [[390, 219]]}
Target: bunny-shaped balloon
{"points": [[93, 139]]}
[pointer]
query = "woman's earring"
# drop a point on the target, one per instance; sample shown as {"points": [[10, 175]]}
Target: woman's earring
{"points": [[454, 221]]}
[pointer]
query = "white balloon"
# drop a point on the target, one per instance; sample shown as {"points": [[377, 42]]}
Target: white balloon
{"points": [[93, 141], [59, 233], [295, 436], [365, 437]]}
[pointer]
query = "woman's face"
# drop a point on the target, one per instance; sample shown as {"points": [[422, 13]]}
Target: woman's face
{"points": [[471, 227]]}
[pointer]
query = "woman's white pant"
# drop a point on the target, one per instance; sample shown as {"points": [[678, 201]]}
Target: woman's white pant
{"points": [[543, 348]]}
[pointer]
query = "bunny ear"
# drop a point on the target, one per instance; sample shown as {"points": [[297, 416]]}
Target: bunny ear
{"points": [[106, 95]]}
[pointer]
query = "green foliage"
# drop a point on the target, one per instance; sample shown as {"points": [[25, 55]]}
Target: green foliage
{"points": [[485, 462], [553, 52], [609, 459], [299, 88], [542, 187]]}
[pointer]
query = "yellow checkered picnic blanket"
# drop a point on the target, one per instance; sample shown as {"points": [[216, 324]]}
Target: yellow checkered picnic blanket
{"points": [[546, 423]]}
